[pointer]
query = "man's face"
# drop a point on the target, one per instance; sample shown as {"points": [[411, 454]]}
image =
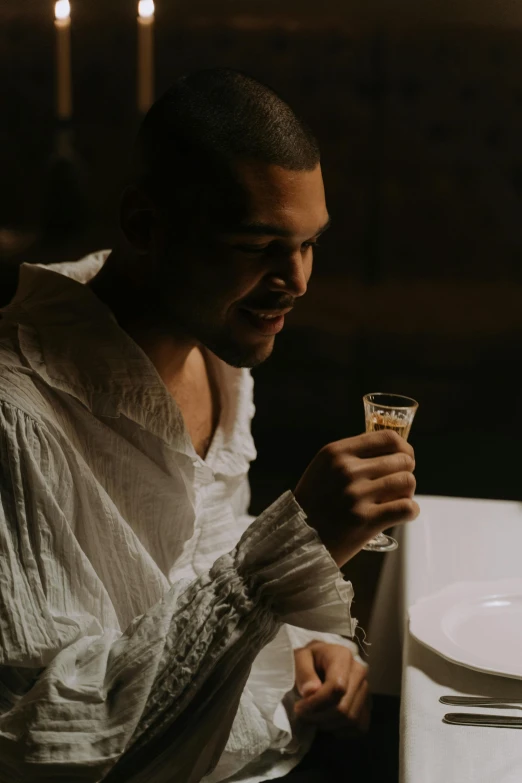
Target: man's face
{"points": [[229, 284]]}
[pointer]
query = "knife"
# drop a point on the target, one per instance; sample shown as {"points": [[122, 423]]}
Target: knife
{"points": [[494, 721], [480, 701]]}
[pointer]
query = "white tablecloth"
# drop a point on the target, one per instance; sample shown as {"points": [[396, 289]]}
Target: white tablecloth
{"points": [[453, 540]]}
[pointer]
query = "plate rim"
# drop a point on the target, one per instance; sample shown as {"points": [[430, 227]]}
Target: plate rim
{"points": [[440, 599]]}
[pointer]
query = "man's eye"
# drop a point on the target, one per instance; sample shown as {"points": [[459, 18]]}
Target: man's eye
{"points": [[251, 248], [259, 249]]}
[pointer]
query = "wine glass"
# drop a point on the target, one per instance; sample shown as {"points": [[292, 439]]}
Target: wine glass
{"points": [[388, 412]]}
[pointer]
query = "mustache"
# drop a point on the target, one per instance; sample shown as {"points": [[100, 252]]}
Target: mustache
{"points": [[281, 303]]}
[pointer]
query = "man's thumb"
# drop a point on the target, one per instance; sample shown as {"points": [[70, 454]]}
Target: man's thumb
{"points": [[306, 679]]}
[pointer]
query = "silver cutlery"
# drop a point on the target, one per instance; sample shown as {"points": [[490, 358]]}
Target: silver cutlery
{"points": [[493, 721], [482, 701]]}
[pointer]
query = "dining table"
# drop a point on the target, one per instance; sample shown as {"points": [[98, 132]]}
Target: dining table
{"points": [[454, 541]]}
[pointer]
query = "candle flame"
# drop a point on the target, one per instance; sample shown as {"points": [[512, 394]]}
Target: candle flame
{"points": [[146, 8], [62, 9]]}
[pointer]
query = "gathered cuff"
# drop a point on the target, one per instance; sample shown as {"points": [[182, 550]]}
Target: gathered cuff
{"points": [[287, 567]]}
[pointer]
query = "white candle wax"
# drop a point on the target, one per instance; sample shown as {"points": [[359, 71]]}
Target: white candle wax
{"points": [[62, 24], [145, 55]]}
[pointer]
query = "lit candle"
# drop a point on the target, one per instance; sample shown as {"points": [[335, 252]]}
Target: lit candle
{"points": [[145, 55], [62, 23]]}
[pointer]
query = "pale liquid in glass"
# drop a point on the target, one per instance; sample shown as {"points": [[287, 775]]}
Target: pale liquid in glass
{"points": [[386, 421]]}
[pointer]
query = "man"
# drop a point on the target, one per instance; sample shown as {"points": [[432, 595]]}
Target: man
{"points": [[150, 629]]}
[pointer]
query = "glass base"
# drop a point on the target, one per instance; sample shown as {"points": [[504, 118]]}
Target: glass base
{"points": [[381, 543]]}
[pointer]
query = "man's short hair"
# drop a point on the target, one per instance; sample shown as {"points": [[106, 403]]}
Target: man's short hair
{"points": [[207, 120]]}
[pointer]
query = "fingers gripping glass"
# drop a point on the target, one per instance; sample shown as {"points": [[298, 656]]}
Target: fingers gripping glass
{"points": [[388, 412]]}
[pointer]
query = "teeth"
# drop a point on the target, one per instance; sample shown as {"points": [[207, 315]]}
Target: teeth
{"points": [[264, 316]]}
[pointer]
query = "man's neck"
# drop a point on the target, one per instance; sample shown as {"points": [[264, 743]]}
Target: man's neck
{"points": [[171, 356]]}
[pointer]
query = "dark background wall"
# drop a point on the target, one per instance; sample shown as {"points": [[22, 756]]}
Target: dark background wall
{"points": [[418, 286]]}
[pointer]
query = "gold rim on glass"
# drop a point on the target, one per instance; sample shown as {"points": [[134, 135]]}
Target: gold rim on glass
{"points": [[368, 398]]}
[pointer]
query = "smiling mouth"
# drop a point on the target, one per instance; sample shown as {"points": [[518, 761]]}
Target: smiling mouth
{"points": [[267, 314], [266, 323]]}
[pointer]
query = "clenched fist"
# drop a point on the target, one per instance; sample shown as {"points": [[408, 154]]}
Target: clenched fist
{"points": [[357, 487]]}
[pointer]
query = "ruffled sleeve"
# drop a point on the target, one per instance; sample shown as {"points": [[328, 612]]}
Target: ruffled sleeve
{"points": [[83, 702]]}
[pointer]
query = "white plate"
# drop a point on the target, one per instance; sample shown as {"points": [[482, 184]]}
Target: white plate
{"points": [[474, 624]]}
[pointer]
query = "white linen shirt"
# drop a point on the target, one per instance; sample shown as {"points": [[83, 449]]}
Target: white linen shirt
{"points": [[147, 623]]}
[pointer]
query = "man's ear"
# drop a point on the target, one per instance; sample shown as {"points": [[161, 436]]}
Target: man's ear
{"points": [[137, 218]]}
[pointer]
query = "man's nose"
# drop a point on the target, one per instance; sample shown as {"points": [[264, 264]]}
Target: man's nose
{"points": [[292, 274]]}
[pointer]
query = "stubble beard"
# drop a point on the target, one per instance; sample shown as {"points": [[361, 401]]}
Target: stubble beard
{"points": [[236, 355], [220, 339]]}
